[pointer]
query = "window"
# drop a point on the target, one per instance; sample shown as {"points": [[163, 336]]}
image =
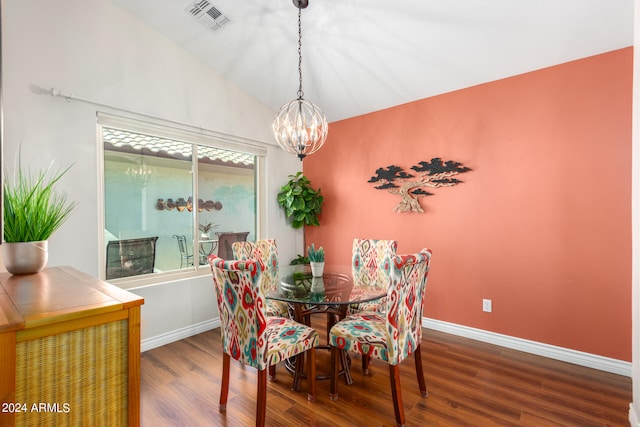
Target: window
{"points": [[169, 193]]}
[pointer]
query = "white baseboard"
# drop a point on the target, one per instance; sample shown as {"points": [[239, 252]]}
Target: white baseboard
{"points": [[179, 334], [601, 363], [634, 417]]}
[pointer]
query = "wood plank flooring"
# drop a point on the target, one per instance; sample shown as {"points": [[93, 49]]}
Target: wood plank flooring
{"points": [[470, 384]]}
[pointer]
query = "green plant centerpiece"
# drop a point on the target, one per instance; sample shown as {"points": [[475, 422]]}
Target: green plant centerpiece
{"points": [[301, 202], [315, 255], [316, 259], [33, 211]]}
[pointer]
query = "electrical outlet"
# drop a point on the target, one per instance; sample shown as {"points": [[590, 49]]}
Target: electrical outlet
{"points": [[487, 306]]}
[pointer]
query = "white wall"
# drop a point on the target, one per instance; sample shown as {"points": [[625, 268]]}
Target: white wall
{"points": [[94, 50]]}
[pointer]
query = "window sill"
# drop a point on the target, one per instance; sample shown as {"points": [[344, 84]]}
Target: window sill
{"points": [[146, 280]]}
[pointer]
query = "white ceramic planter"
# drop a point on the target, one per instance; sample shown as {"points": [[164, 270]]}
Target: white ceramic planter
{"points": [[317, 268]]}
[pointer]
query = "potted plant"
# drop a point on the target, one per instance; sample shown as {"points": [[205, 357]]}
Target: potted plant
{"points": [[33, 211], [301, 202], [300, 260], [205, 230], [316, 259]]}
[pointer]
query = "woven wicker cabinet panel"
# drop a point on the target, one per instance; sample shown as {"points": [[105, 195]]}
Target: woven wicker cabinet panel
{"points": [[81, 375], [69, 351]]}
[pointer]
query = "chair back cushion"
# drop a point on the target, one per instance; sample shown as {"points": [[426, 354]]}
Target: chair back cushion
{"points": [[241, 304], [405, 301], [242, 250], [371, 261], [265, 252]]}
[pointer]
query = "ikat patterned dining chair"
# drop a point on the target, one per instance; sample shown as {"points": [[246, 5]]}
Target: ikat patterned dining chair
{"points": [[265, 252], [390, 336], [250, 336], [371, 266]]}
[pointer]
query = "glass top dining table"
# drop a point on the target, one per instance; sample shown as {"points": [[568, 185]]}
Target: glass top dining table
{"points": [[335, 288], [332, 294]]}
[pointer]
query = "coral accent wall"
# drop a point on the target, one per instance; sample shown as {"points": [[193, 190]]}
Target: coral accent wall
{"points": [[542, 225]]}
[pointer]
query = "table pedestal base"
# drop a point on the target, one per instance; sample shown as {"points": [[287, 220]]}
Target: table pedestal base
{"points": [[302, 313]]}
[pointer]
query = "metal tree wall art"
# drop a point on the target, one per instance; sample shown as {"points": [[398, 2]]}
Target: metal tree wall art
{"points": [[433, 174]]}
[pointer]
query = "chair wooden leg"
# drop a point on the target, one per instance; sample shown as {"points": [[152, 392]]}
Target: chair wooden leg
{"points": [[272, 372], [224, 388], [394, 376], [365, 364], [261, 409], [311, 374], [420, 373], [335, 353], [298, 372]]}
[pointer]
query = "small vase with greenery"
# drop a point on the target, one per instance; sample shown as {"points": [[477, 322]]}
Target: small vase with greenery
{"points": [[301, 202], [33, 211], [205, 229], [316, 259], [315, 255]]}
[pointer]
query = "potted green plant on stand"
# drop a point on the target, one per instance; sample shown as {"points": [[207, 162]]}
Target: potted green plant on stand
{"points": [[33, 211], [316, 259], [301, 202]]}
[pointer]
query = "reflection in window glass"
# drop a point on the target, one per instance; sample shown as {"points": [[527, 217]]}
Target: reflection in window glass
{"points": [[158, 215]]}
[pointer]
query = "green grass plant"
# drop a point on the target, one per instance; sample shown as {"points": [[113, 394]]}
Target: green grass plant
{"points": [[33, 209], [315, 255]]}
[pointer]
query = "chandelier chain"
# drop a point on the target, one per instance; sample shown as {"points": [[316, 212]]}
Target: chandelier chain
{"points": [[300, 92], [300, 127]]}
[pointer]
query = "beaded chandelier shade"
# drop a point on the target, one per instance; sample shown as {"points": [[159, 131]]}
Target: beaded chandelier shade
{"points": [[300, 126]]}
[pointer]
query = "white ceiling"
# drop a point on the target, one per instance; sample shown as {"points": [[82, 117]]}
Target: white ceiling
{"points": [[365, 55]]}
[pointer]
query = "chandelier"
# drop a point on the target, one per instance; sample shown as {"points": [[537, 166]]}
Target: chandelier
{"points": [[140, 173], [300, 126]]}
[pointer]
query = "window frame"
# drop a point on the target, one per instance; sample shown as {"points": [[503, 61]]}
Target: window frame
{"points": [[183, 133]]}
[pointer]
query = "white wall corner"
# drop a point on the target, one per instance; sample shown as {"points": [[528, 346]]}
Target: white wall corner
{"points": [[601, 363], [634, 418], [179, 334]]}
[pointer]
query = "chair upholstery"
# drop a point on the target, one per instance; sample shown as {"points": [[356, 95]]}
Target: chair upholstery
{"points": [[183, 248], [249, 335], [265, 252], [226, 239], [392, 335], [371, 266]]}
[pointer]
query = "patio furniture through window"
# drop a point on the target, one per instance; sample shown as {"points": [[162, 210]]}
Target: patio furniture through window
{"points": [[131, 257], [226, 239], [183, 248]]}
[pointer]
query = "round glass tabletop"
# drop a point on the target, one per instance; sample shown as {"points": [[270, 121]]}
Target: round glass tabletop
{"points": [[335, 287]]}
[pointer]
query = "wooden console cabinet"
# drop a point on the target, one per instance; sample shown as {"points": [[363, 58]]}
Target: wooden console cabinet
{"points": [[69, 351]]}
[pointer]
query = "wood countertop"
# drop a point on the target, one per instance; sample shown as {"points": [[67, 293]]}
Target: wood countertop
{"points": [[57, 294]]}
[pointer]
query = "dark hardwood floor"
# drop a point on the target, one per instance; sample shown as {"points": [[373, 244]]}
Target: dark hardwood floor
{"points": [[470, 384]]}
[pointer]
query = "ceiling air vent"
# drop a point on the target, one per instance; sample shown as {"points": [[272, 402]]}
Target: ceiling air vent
{"points": [[207, 14]]}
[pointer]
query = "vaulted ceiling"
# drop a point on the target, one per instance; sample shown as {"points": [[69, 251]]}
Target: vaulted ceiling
{"points": [[366, 55]]}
